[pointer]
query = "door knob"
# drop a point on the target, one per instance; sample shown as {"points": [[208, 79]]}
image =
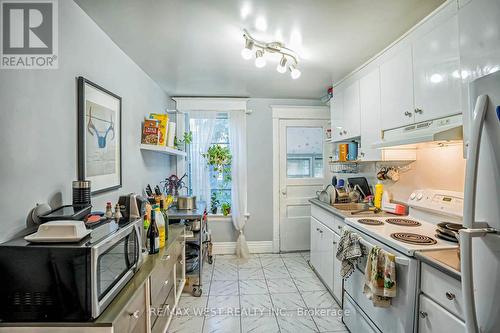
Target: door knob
{"points": [[283, 191], [423, 314]]}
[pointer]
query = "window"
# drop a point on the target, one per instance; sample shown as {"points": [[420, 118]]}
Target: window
{"points": [[219, 183], [304, 157]]}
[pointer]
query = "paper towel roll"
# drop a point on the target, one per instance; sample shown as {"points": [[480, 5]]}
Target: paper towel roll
{"points": [[171, 134]]}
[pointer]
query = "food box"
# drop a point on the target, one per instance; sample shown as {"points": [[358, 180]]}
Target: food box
{"points": [[162, 127], [150, 132]]}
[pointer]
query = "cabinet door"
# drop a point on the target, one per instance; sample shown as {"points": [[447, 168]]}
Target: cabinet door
{"points": [[352, 111], [369, 89], [337, 279], [337, 115], [396, 90], [327, 255], [314, 254], [436, 70], [432, 318]]}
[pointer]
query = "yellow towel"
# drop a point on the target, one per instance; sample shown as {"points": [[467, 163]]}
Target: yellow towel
{"points": [[380, 277]]}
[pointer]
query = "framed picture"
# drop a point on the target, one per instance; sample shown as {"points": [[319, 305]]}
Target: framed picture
{"points": [[99, 136]]}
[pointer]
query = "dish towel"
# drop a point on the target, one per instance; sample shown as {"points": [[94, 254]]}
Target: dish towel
{"points": [[380, 277], [348, 252]]}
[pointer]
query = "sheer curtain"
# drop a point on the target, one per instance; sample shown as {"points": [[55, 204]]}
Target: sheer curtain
{"points": [[202, 124], [237, 137]]}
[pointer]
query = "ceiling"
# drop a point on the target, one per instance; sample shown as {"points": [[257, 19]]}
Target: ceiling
{"points": [[192, 47]]}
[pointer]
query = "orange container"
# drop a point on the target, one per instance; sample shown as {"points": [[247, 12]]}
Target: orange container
{"points": [[343, 151]]}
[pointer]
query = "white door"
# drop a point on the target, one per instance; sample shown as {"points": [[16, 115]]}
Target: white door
{"points": [[369, 92], [302, 171], [351, 110], [396, 90], [436, 70]]}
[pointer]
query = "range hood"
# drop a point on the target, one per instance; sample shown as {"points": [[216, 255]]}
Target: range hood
{"points": [[442, 129]]}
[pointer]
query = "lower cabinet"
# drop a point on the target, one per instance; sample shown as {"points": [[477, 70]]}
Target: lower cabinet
{"points": [[434, 318], [133, 318], [324, 244]]}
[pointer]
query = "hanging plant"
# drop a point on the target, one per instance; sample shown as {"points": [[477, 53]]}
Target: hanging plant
{"points": [[186, 140], [219, 158]]}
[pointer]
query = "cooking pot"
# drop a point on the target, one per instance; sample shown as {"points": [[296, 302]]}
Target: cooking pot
{"points": [[186, 203]]}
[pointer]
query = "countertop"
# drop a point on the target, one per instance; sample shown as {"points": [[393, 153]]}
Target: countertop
{"points": [[176, 214], [447, 261], [126, 294], [345, 214]]}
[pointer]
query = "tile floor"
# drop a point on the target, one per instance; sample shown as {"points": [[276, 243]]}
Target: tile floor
{"points": [[268, 293]]}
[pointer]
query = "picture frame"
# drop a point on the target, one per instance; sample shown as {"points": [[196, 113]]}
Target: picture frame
{"points": [[99, 136]]}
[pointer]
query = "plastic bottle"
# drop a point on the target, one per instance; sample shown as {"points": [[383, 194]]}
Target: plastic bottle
{"points": [[379, 191], [160, 222]]}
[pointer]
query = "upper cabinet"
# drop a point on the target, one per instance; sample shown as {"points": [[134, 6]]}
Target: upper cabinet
{"points": [[436, 69], [369, 93], [337, 115], [351, 111], [396, 89]]}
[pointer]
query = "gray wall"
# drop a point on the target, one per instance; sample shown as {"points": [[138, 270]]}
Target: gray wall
{"points": [[260, 172], [38, 120]]}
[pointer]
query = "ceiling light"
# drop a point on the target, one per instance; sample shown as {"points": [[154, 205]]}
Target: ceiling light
{"points": [[282, 65], [245, 10], [246, 53], [294, 72], [260, 23], [259, 59]]}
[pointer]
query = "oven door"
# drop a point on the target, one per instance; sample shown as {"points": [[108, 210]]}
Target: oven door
{"points": [[400, 316], [114, 262]]}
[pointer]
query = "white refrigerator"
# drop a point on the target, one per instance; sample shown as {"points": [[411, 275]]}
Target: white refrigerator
{"points": [[479, 26]]}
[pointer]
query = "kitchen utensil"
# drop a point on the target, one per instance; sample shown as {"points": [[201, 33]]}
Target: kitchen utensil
{"points": [[392, 174], [149, 191], [81, 193], [186, 202], [352, 151], [334, 181], [59, 232], [194, 225], [343, 151], [375, 210], [381, 173], [362, 183], [323, 195], [33, 217], [157, 190]]}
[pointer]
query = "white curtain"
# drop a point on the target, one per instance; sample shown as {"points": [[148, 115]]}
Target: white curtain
{"points": [[237, 137], [202, 124]]}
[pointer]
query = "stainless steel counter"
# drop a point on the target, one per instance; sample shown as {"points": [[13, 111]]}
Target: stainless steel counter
{"points": [[178, 214], [447, 261]]}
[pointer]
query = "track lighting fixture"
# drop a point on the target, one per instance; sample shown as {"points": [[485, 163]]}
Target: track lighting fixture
{"points": [[288, 57]]}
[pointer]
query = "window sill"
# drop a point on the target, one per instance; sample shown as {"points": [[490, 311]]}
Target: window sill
{"points": [[219, 218]]}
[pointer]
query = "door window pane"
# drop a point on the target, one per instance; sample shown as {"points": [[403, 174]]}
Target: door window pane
{"points": [[304, 152]]}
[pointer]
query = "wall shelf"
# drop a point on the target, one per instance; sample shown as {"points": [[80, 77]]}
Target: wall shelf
{"points": [[163, 150]]}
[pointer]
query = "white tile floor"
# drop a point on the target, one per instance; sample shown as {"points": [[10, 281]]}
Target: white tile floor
{"points": [[267, 293]]}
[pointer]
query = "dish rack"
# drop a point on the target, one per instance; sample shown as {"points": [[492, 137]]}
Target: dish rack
{"points": [[344, 167]]}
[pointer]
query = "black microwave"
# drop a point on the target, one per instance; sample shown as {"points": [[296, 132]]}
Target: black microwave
{"points": [[68, 282]]}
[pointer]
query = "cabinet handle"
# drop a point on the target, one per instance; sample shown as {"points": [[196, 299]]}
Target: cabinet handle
{"points": [[408, 114], [345, 132], [362, 154], [321, 231], [166, 258], [339, 227], [420, 111], [181, 262], [334, 243], [166, 282], [135, 314], [423, 314], [450, 296]]}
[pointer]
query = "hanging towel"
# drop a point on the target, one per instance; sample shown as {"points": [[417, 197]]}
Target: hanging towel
{"points": [[380, 277], [349, 251]]}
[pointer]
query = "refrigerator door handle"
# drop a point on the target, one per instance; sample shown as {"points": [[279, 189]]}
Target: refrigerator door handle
{"points": [[469, 214]]}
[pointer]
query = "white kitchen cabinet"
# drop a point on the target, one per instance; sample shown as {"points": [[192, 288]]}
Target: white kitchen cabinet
{"points": [[432, 318], [369, 93], [351, 111], [315, 256], [436, 71], [337, 115], [337, 264], [396, 89], [327, 255]]}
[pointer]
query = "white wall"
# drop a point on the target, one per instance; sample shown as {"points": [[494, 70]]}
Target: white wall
{"points": [[38, 123], [260, 172]]}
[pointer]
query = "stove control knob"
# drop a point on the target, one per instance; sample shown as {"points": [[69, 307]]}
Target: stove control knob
{"points": [[413, 195], [420, 196]]}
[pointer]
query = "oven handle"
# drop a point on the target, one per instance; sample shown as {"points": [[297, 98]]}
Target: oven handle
{"points": [[399, 260]]}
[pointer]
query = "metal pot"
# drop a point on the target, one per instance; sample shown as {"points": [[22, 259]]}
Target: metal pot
{"points": [[186, 203], [194, 225]]}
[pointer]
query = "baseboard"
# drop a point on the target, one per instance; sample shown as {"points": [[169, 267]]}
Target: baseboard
{"points": [[253, 247]]}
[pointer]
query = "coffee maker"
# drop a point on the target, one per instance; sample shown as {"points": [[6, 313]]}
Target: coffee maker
{"points": [[132, 206]]}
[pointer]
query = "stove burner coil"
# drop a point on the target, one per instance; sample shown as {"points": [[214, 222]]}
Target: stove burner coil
{"points": [[370, 222], [416, 239], [403, 222]]}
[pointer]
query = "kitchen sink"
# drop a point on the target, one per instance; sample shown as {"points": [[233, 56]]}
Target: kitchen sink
{"points": [[353, 206]]}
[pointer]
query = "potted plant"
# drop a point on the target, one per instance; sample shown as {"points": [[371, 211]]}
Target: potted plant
{"points": [[226, 209], [187, 138], [219, 158], [214, 203]]}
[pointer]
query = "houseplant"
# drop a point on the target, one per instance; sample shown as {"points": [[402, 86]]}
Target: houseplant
{"points": [[219, 158], [214, 203], [187, 138], [226, 209]]}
